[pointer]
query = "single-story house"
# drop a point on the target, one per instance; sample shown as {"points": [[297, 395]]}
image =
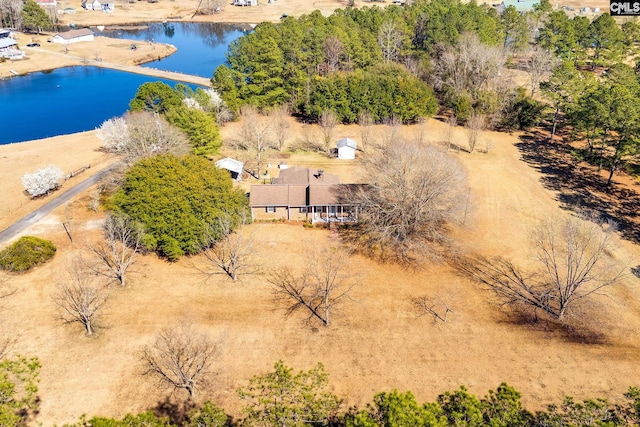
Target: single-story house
{"points": [[347, 149], [302, 194], [74, 36], [7, 43], [235, 167], [522, 6], [245, 2]]}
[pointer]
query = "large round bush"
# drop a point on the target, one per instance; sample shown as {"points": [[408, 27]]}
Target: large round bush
{"points": [[179, 201], [26, 253]]}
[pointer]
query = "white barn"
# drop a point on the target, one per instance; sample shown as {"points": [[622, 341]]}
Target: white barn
{"points": [[347, 149], [74, 36]]}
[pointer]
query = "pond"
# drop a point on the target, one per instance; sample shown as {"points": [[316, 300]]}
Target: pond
{"points": [[76, 99], [66, 100], [202, 47]]}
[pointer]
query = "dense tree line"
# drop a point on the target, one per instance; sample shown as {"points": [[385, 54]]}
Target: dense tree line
{"points": [[340, 62], [285, 398]]}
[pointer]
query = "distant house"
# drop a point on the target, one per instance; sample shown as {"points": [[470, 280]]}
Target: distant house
{"points": [[347, 149], [73, 36], [245, 2], [301, 194], [521, 6], [7, 43], [47, 3], [235, 167]]}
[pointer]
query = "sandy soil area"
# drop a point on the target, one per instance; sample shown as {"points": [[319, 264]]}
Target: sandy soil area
{"points": [[377, 342], [52, 55]]}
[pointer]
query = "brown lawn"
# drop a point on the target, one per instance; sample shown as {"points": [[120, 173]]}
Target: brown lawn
{"points": [[377, 342]]}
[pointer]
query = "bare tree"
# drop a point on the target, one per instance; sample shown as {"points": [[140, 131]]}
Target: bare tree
{"points": [[255, 131], [390, 40], [328, 122], [142, 134], [181, 357], [280, 117], [406, 210], [452, 122], [79, 299], [333, 50], [539, 63], [392, 128], [232, 253], [365, 120], [572, 262], [118, 252], [474, 126], [434, 307], [325, 283]]}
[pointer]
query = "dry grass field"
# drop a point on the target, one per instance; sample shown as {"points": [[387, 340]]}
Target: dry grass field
{"points": [[377, 341]]}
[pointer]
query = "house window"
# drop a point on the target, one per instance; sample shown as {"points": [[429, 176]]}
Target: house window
{"points": [[303, 210], [271, 209]]}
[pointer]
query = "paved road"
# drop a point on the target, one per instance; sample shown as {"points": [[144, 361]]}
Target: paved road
{"points": [[42, 211]]}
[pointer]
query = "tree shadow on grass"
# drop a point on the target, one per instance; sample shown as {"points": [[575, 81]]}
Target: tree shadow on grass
{"points": [[176, 411], [573, 330], [580, 187]]}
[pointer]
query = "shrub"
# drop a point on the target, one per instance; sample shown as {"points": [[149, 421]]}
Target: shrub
{"points": [[26, 253], [43, 180], [179, 200]]}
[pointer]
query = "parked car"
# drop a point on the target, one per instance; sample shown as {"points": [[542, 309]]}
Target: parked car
{"points": [[33, 45]]}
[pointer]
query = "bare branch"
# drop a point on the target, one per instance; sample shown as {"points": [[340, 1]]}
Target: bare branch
{"points": [[79, 299], [572, 263], [323, 285], [435, 307], [181, 357], [327, 121], [118, 252], [233, 253]]}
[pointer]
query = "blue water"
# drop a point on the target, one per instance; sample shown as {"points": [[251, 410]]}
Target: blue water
{"points": [[62, 101], [202, 47], [77, 99]]}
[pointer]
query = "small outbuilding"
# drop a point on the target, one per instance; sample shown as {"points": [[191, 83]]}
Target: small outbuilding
{"points": [[7, 43], [74, 36], [347, 149], [235, 167]]}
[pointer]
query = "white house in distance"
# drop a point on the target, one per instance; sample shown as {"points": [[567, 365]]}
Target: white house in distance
{"points": [[245, 2], [7, 43], [347, 149], [74, 36]]}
